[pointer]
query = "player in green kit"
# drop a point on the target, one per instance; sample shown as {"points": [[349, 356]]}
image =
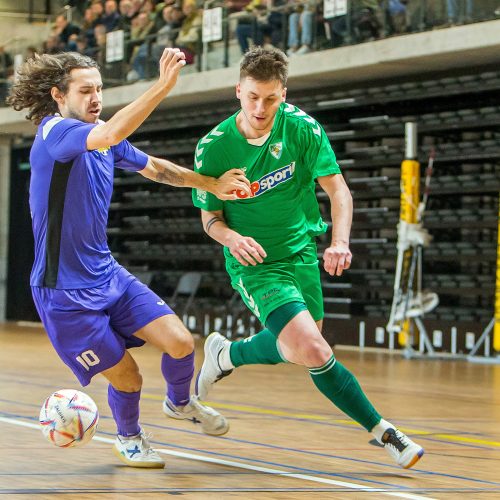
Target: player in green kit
{"points": [[269, 245]]}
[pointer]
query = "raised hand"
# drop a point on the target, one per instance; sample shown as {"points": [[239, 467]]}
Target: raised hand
{"points": [[337, 258], [171, 62]]}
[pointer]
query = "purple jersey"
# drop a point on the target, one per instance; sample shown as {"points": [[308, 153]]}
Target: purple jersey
{"points": [[70, 193]]}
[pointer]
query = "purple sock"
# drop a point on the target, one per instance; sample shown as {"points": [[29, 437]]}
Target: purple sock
{"points": [[125, 409], [178, 373]]}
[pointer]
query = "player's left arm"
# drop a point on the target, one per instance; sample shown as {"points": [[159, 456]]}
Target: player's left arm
{"points": [[338, 256], [167, 172]]}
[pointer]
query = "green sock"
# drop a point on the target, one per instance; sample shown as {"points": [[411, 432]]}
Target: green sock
{"points": [[260, 349], [340, 386]]}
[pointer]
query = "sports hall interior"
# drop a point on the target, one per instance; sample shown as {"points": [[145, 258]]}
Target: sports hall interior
{"points": [[439, 381]]}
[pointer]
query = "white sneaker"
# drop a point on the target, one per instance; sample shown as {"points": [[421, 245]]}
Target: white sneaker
{"points": [[401, 448], [211, 371], [212, 422], [305, 49], [137, 452], [132, 76]]}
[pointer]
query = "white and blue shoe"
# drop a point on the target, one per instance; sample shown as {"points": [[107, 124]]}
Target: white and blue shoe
{"points": [[135, 451], [212, 422]]}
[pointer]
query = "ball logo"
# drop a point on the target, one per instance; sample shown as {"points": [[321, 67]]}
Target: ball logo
{"points": [[269, 181]]}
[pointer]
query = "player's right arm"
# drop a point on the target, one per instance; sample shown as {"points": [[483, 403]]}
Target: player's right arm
{"points": [[127, 120], [243, 248]]}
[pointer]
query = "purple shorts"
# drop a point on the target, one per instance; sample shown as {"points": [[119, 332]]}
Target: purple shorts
{"points": [[90, 328]]}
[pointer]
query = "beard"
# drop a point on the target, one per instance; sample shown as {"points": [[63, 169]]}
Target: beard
{"points": [[83, 118]]}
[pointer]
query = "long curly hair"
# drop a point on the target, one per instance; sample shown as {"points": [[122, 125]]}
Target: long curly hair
{"points": [[37, 76]]}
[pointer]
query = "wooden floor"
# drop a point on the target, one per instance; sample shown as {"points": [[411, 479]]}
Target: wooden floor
{"points": [[286, 441]]}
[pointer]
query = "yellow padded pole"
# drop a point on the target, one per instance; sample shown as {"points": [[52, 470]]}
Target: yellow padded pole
{"points": [[410, 197]]}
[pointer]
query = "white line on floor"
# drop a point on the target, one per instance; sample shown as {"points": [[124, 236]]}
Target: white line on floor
{"points": [[242, 465]]}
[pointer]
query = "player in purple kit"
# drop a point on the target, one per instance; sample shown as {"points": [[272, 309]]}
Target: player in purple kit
{"points": [[92, 308]]}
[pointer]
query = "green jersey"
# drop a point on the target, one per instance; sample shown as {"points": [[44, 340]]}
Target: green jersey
{"points": [[282, 214]]}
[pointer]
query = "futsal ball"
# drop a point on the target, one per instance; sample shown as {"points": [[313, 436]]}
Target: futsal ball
{"points": [[69, 418]]}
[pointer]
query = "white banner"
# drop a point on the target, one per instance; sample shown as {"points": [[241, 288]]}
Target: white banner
{"points": [[18, 60], [212, 25], [334, 8], [115, 41]]}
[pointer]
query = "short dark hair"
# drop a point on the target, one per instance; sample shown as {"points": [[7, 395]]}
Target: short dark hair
{"points": [[265, 65], [37, 76]]}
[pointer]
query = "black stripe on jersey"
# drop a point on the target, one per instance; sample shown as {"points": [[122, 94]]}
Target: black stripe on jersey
{"points": [[57, 196]]}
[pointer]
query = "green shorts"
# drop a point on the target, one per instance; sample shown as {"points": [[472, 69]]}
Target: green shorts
{"points": [[267, 286]]}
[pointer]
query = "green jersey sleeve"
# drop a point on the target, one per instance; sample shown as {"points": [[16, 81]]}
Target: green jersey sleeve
{"points": [[318, 153], [202, 161]]}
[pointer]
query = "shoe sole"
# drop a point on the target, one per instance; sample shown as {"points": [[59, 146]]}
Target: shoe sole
{"points": [[142, 465], [415, 459], [223, 431]]}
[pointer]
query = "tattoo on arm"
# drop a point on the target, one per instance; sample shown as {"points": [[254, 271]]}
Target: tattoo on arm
{"points": [[167, 176], [211, 222]]}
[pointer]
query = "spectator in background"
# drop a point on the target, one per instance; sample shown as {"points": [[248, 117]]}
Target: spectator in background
{"points": [[235, 6], [82, 47], [88, 25], [6, 72], [190, 30], [98, 11], [396, 16], [52, 45], [300, 28], [148, 7], [136, 8], [366, 23], [173, 17], [271, 23], [263, 26], [247, 28], [142, 26], [425, 14], [111, 17], [64, 30], [126, 14], [367, 20], [167, 34], [72, 45], [158, 13], [453, 8], [100, 47]]}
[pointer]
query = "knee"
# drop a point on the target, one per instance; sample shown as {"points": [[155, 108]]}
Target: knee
{"points": [[182, 347], [316, 353]]}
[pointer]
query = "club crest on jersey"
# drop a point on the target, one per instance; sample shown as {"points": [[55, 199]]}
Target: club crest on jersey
{"points": [[276, 149], [269, 181], [103, 151]]}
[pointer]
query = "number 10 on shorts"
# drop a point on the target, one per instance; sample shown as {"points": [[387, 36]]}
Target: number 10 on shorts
{"points": [[87, 359]]}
